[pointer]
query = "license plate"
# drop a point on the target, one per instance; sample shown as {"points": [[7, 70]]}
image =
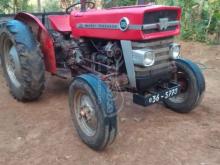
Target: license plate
{"points": [[162, 95], [157, 97]]}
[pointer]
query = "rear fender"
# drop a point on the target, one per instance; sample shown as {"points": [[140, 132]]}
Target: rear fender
{"points": [[43, 37]]}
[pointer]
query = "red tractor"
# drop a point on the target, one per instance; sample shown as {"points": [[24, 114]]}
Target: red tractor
{"points": [[118, 49]]}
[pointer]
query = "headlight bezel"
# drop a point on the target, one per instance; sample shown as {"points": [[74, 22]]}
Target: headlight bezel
{"points": [[175, 50], [151, 56], [140, 56]]}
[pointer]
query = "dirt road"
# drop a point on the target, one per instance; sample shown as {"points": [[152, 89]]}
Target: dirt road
{"points": [[41, 133]]}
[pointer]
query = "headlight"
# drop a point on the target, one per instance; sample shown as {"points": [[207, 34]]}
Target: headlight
{"points": [[143, 57], [175, 51], [149, 58]]}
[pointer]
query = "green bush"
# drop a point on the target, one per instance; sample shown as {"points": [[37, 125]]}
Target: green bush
{"points": [[52, 5], [200, 19]]}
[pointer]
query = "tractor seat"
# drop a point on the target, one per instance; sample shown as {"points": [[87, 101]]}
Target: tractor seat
{"points": [[60, 23]]}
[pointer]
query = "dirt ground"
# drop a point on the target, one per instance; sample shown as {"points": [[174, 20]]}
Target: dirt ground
{"points": [[41, 133]]}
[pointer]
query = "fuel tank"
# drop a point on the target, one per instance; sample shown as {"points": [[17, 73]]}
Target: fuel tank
{"points": [[127, 23]]}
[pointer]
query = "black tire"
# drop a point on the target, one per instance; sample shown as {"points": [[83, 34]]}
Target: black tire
{"points": [[25, 76], [106, 127], [190, 95]]}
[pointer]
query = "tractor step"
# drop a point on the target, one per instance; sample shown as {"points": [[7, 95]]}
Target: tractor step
{"points": [[63, 73]]}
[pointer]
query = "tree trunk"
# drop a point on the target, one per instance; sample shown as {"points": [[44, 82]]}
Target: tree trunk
{"points": [[15, 6], [39, 5], [201, 6]]}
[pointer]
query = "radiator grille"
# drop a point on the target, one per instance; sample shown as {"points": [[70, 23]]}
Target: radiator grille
{"points": [[163, 62], [154, 17]]}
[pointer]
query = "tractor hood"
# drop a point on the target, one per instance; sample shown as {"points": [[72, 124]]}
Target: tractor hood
{"points": [[127, 23]]}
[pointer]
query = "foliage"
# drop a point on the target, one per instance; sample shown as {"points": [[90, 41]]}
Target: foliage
{"points": [[52, 5], [200, 19], [11, 6], [5, 6], [126, 2]]}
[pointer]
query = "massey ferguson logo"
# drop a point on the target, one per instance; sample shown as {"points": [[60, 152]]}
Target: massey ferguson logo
{"points": [[163, 23], [123, 24]]}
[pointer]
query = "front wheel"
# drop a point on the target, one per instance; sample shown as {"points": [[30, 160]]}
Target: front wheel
{"points": [[93, 111], [192, 83]]}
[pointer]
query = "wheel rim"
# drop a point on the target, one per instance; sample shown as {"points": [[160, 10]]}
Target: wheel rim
{"points": [[183, 80], [85, 113], [12, 63]]}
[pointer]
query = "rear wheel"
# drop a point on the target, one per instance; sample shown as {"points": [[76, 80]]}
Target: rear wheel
{"points": [[190, 94], [22, 62]]}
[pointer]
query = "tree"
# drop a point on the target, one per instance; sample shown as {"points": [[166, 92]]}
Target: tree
{"points": [[51, 6], [5, 6], [39, 5], [13, 6]]}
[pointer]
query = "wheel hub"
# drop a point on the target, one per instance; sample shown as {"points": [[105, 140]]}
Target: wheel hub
{"points": [[182, 80], [85, 113]]}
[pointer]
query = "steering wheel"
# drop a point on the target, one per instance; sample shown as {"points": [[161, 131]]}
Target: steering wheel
{"points": [[69, 9]]}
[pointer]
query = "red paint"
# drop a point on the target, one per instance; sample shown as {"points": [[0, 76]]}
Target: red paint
{"points": [[43, 38], [60, 23], [134, 14], [67, 23]]}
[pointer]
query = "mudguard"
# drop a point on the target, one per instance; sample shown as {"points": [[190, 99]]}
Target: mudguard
{"points": [[43, 37], [105, 100], [102, 92], [197, 72]]}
